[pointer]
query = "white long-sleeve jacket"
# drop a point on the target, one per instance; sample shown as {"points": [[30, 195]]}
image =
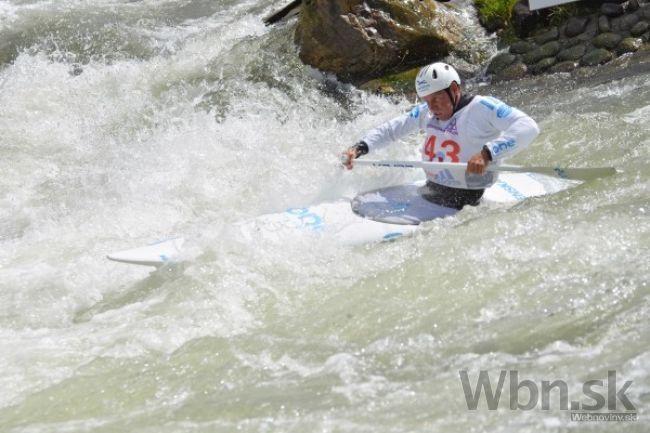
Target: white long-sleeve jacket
{"points": [[483, 121]]}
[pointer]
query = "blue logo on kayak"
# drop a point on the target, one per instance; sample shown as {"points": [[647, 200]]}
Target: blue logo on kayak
{"points": [[392, 235], [511, 190], [307, 218]]}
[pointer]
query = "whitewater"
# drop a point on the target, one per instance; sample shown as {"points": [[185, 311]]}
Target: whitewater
{"points": [[127, 122]]}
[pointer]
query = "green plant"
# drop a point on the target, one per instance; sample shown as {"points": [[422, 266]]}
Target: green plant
{"points": [[559, 14], [495, 14]]}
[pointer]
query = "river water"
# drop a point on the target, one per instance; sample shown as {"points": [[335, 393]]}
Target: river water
{"points": [[124, 122]]}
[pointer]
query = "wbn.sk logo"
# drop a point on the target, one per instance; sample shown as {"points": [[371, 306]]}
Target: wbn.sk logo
{"points": [[601, 396]]}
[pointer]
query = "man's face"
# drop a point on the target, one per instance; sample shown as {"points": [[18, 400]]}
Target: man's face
{"points": [[440, 104]]}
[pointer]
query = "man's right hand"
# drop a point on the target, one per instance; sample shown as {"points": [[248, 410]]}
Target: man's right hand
{"points": [[348, 156], [353, 152]]}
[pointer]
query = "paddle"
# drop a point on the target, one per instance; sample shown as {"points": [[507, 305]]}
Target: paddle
{"points": [[583, 174]]}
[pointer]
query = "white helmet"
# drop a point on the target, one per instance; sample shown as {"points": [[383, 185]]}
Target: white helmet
{"points": [[435, 77]]}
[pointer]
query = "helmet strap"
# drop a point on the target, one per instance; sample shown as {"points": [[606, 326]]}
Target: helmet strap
{"points": [[454, 101]]}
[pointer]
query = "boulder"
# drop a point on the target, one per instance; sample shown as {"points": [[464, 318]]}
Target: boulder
{"points": [[359, 40], [549, 49], [515, 71], [543, 65], [575, 26], [566, 66], [628, 21], [645, 11], [607, 40], [629, 45], [500, 62], [521, 47], [595, 57], [603, 24], [545, 36], [612, 9], [574, 53], [639, 28]]}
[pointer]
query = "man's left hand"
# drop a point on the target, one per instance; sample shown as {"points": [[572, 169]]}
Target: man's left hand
{"points": [[478, 163]]}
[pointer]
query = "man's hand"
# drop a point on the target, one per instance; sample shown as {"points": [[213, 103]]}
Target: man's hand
{"points": [[478, 163], [361, 148], [347, 157]]}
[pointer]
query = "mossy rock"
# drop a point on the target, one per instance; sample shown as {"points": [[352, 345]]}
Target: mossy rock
{"points": [[566, 66], [607, 40], [500, 61], [543, 65], [596, 57], [573, 53], [393, 83], [629, 45], [639, 28], [515, 71], [521, 47], [547, 35]]}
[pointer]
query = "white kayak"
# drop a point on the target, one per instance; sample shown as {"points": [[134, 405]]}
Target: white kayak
{"points": [[375, 216]]}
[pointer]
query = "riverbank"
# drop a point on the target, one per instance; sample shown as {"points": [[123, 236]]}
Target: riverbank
{"points": [[607, 42], [596, 37]]}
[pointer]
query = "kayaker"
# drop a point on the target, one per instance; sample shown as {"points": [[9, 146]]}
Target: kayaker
{"points": [[478, 130]]}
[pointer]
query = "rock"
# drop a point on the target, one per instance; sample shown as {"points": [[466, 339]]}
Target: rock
{"points": [[358, 42], [607, 40], [575, 26], [595, 57], [639, 28], [612, 9], [521, 47], [551, 34], [550, 49], [500, 62], [603, 24], [615, 24], [533, 56], [573, 53], [568, 43], [543, 65], [515, 71], [633, 5], [629, 45], [591, 30], [566, 66], [645, 11], [628, 21]]}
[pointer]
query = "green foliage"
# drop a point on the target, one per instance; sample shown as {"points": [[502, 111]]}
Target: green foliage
{"points": [[495, 14], [560, 14]]}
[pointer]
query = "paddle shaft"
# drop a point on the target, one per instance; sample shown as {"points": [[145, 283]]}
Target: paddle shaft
{"points": [[582, 174]]}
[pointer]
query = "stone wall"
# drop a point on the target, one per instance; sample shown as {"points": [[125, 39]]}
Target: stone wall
{"points": [[617, 28]]}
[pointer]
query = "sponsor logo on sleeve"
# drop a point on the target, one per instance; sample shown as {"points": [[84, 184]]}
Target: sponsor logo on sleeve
{"points": [[490, 102], [501, 146], [415, 112], [503, 111]]}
